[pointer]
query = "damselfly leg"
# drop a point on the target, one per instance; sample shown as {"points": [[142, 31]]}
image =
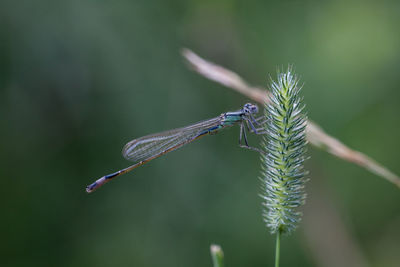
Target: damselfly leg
{"points": [[243, 135]]}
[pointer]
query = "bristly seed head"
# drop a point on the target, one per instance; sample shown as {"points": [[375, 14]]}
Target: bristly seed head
{"points": [[283, 175]]}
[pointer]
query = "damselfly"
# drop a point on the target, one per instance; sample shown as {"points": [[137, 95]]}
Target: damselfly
{"points": [[149, 147]]}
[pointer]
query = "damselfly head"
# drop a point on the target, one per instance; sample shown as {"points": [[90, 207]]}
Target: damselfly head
{"points": [[250, 108]]}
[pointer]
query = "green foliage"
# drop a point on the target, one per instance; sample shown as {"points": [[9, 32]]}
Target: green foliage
{"points": [[282, 164]]}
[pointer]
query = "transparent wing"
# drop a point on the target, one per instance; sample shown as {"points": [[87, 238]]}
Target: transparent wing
{"points": [[155, 144]]}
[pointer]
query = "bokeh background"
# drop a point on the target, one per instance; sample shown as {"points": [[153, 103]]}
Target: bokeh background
{"points": [[79, 79]]}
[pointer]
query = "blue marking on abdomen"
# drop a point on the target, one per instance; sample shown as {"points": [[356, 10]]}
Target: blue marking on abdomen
{"points": [[209, 130], [213, 128], [112, 175]]}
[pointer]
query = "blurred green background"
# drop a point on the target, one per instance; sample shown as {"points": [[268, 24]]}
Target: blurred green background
{"points": [[79, 79]]}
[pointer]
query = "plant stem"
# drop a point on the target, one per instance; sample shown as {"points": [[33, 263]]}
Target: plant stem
{"points": [[278, 247], [217, 256]]}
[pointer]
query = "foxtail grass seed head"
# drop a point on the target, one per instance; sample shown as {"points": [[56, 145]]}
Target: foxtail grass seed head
{"points": [[283, 174]]}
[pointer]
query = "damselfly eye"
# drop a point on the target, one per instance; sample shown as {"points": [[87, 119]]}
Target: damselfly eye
{"points": [[254, 109], [250, 108]]}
